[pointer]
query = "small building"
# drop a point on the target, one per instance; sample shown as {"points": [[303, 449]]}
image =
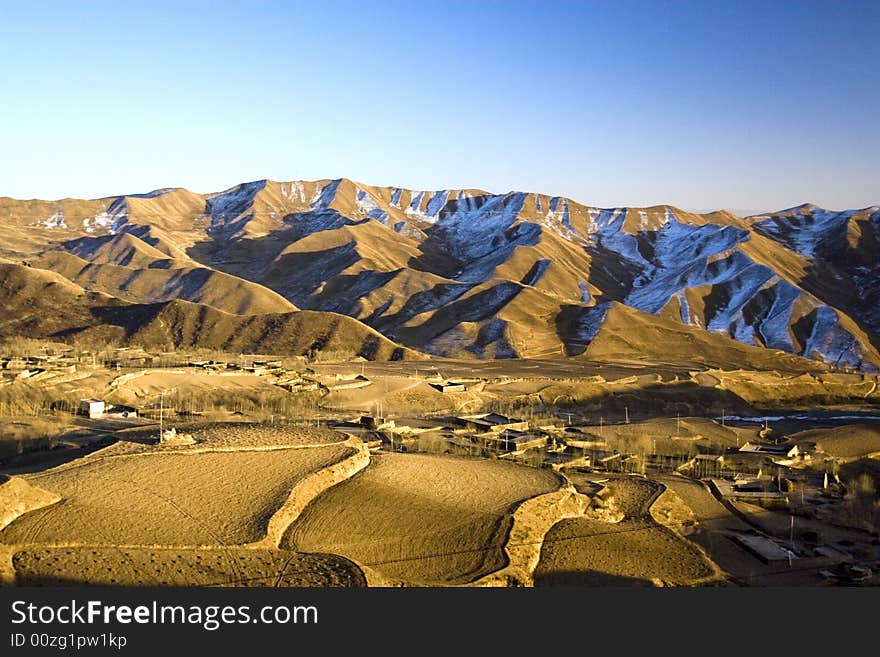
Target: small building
{"points": [[515, 441], [92, 407], [708, 465], [491, 422], [790, 451], [375, 423], [30, 373], [351, 384], [298, 385], [566, 459], [448, 387], [765, 549], [632, 463], [610, 462], [754, 490]]}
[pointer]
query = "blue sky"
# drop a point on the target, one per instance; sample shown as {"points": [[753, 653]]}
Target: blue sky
{"points": [[742, 105]]}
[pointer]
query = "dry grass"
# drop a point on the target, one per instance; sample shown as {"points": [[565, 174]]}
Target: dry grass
{"points": [[849, 441], [168, 498], [421, 519], [229, 436], [586, 552], [18, 497], [19, 435], [634, 552], [101, 566]]}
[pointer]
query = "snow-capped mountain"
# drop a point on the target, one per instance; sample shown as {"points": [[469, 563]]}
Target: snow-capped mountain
{"points": [[466, 272]]}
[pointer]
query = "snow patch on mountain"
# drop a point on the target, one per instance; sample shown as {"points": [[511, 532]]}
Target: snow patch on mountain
{"points": [[607, 232], [296, 191], [681, 259], [112, 219], [408, 231], [773, 319], [493, 333], [414, 205], [536, 273], [831, 343], [395, 197], [480, 232], [55, 221], [156, 193], [585, 291], [806, 228], [558, 219], [324, 196], [226, 209], [436, 202], [432, 210], [581, 326], [737, 280], [368, 206], [685, 308]]}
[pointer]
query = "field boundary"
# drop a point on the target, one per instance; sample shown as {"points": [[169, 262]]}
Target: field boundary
{"points": [[676, 530], [305, 491], [532, 520]]}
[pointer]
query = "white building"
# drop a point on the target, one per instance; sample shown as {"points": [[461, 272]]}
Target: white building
{"points": [[91, 407]]}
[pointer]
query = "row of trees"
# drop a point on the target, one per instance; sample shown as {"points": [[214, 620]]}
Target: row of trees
{"points": [[258, 405]]}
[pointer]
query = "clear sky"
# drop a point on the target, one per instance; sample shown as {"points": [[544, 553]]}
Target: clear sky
{"points": [[707, 104]]}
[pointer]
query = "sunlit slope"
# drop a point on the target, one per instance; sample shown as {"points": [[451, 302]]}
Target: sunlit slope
{"points": [[44, 304], [468, 272]]}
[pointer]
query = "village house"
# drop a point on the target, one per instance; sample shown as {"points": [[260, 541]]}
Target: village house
{"points": [[486, 422], [514, 441], [790, 451], [707, 465], [92, 408], [447, 387], [375, 423]]}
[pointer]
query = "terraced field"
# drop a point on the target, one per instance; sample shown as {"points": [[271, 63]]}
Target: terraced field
{"points": [[104, 566], [421, 519], [634, 552]]}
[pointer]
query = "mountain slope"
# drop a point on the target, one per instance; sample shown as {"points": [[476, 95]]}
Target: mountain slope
{"points": [[471, 273], [840, 252], [44, 304], [124, 266]]}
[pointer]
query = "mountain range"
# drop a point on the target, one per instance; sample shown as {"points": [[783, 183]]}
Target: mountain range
{"points": [[386, 272]]}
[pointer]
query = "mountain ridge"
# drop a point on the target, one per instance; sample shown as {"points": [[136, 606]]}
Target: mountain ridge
{"points": [[464, 272]]}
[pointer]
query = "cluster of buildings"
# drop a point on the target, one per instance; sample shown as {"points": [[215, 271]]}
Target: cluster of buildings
{"points": [[256, 367], [36, 367]]}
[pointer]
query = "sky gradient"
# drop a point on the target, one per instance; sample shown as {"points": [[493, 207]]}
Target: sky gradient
{"points": [[748, 106]]}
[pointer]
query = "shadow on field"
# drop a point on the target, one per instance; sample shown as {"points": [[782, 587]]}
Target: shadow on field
{"points": [[587, 578], [685, 398]]}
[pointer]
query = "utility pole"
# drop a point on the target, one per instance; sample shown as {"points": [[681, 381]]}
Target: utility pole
{"points": [[626, 413], [161, 413]]}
